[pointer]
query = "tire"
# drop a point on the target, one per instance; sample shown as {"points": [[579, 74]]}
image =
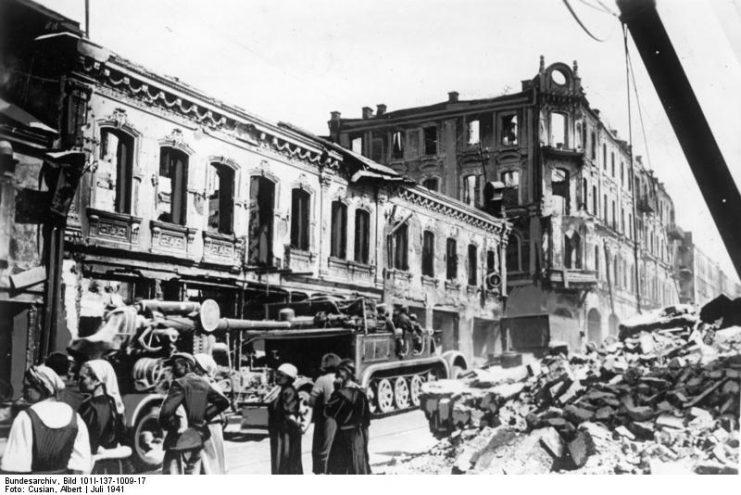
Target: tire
{"points": [[384, 396], [147, 439], [401, 393], [415, 387], [305, 411], [456, 371]]}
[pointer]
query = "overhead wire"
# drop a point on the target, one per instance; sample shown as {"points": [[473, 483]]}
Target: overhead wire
{"points": [[579, 21]]}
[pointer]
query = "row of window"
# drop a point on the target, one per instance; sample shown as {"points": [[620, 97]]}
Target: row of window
{"points": [[398, 255]]}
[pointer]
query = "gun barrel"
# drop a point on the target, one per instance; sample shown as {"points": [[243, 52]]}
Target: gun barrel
{"points": [[235, 324], [170, 307]]}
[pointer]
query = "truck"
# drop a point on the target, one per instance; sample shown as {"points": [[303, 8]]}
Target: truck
{"points": [[391, 368]]}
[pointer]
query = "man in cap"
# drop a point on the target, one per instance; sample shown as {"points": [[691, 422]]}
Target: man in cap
{"points": [[201, 403], [324, 427]]}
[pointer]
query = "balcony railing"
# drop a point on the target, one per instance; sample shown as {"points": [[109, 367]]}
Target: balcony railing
{"points": [[222, 249], [172, 239], [111, 227]]}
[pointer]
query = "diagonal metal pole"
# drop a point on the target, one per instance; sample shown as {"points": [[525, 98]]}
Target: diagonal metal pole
{"points": [[690, 126]]}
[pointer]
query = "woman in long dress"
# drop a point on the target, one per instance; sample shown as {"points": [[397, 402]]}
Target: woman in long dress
{"points": [[49, 437], [213, 460], [284, 425], [102, 412], [349, 407]]}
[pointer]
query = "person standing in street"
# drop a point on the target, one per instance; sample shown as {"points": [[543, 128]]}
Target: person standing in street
{"points": [[213, 458], [103, 411], [184, 442], [349, 407], [284, 425], [324, 427], [49, 437]]}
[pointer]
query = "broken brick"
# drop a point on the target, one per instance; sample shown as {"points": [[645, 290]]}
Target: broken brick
{"points": [[578, 449], [670, 421]]}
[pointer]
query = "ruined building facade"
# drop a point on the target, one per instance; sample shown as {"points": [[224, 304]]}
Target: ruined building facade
{"points": [[582, 215]]}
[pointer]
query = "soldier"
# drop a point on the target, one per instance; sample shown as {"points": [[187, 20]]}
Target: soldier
{"points": [[324, 427]]}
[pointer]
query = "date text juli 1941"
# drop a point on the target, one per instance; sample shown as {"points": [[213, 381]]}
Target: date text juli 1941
{"points": [[70, 484]]}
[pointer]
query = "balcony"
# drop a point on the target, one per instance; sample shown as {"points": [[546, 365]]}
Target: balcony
{"points": [[573, 279], [299, 261], [674, 232], [172, 239], [351, 271], [117, 229], [644, 205], [222, 249]]}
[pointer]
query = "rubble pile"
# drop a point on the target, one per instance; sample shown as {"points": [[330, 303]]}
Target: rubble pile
{"points": [[662, 398]]}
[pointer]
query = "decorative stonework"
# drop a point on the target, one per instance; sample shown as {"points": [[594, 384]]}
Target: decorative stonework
{"points": [[222, 249], [430, 281], [168, 238], [298, 260], [113, 227], [452, 285]]}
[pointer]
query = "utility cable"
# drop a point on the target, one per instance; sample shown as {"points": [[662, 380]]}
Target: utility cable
{"points": [[576, 17], [640, 112]]}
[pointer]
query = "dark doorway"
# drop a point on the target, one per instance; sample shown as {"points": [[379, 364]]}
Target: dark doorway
{"points": [[262, 204], [446, 325]]}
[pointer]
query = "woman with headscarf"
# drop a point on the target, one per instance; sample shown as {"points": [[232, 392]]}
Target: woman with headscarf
{"points": [[349, 407], [49, 437], [284, 425], [213, 460], [103, 411]]}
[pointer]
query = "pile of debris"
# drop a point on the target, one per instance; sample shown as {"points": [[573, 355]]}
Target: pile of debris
{"points": [[664, 397]]}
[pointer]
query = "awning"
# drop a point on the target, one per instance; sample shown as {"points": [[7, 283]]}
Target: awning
{"points": [[19, 116]]}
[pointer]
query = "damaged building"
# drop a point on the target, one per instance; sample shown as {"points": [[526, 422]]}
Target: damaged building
{"points": [[594, 234], [184, 197]]}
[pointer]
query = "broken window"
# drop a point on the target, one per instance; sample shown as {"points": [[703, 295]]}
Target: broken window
{"points": [[474, 136], [173, 185], [430, 140], [451, 257], [338, 246], [362, 236], [398, 248], [356, 145], [428, 254], [511, 180], [572, 249], [378, 148], [300, 219], [509, 130], [397, 149], [432, 183], [513, 254], [262, 205], [560, 186], [471, 189], [472, 264], [558, 130], [115, 172], [221, 199]]}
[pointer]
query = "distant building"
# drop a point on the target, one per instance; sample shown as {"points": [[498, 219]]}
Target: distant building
{"points": [[566, 183], [701, 279]]}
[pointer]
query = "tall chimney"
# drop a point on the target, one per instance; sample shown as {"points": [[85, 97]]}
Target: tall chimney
{"points": [[380, 109], [453, 96], [367, 112], [335, 123]]}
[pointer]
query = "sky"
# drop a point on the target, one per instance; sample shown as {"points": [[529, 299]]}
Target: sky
{"points": [[297, 60]]}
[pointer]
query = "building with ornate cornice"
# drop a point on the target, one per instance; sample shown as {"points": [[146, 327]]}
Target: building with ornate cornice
{"points": [[584, 215], [185, 197]]}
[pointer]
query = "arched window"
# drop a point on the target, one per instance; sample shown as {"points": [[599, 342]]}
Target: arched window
{"points": [[362, 236], [173, 176], [116, 165], [221, 199], [428, 254], [338, 247], [300, 219], [558, 130]]}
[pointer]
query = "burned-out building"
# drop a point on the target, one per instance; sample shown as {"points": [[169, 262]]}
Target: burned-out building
{"points": [[594, 235], [184, 197], [701, 278]]}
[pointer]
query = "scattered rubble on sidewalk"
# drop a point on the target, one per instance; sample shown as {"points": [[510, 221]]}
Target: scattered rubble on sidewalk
{"points": [[662, 398]]}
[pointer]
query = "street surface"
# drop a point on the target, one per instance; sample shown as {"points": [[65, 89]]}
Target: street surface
{"points": [[390, 437]]}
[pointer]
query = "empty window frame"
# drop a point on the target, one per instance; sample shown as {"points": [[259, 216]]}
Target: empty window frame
{"points": [[117, 148], [432, 183], [451, 259], [262, 213], [174, 166], [605, 207], [473, 131], [491, 261], [614, 216], [511, 193], [300, 218], [430, 136], [471, 186], [584, 194], [509, 130], [595, 199], [558, 130], [428, 254], [572, 250], [593, 145], [514, 261], [398, 248], [560, 186], [338, 242], [397, 145], [356, 145], [472, 264], [596, 259], [221, 199], [362, 236]]}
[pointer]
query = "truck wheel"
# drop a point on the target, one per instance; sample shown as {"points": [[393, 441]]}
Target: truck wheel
{"points": [[401, 393], [385, 396], [415, 388], [147, 439], [305, 411]]}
